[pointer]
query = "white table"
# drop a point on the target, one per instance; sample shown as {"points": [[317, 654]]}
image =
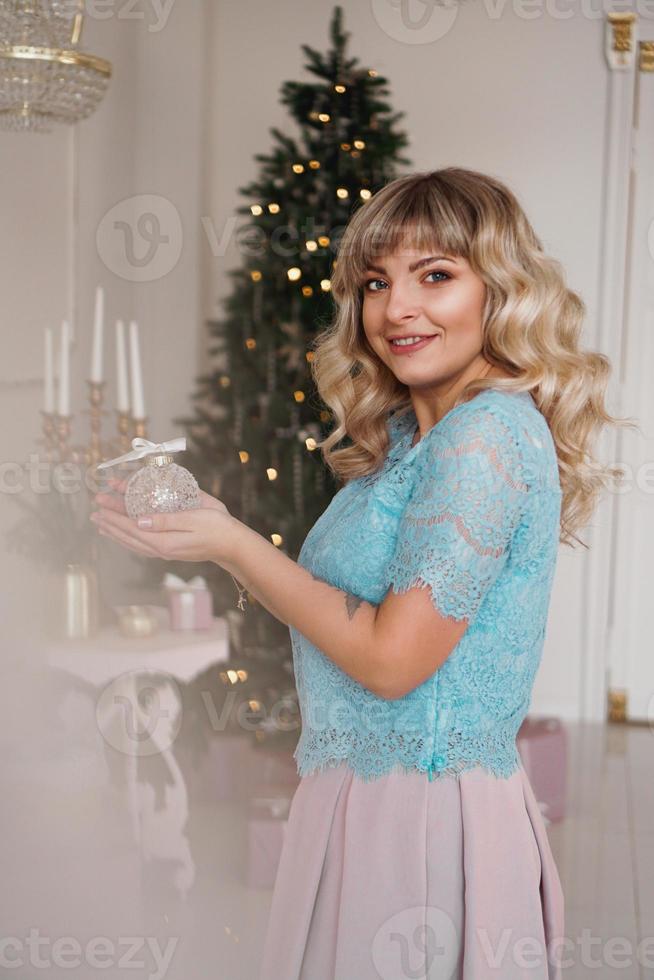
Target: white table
{"points": [[139, 720]]}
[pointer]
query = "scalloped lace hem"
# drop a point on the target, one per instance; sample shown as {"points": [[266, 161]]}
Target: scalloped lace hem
{"points": [[307, 765]]}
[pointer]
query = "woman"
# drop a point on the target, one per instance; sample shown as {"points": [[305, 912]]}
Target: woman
{"points": [[418, 605]]}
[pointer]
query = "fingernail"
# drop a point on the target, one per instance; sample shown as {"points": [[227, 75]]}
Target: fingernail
{"points": [[144, 522]]}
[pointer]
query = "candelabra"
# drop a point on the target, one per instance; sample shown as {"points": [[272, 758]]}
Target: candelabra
{"points": [[140, 428], [57, 430]]}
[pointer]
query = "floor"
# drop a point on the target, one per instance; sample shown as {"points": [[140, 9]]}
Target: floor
{"points": [[71, 870]]}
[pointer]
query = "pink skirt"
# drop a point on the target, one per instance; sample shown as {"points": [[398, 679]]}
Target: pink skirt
{"points": [[449, 879]]}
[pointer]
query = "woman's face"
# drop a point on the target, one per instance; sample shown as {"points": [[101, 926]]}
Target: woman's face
{"points": [[438, 298]]}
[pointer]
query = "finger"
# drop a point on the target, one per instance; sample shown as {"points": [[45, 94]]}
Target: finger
{"points": [[180, 520], [118, 485], [111, 520], [209, 502], [123, 539], [111, 501]]}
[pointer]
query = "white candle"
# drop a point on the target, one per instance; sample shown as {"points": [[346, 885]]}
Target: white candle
{"points": [[64, 369], [138, 405], [48, 394], [98, 335], [121, 368]]}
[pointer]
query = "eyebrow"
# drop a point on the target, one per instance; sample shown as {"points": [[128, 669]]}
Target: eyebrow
{"points": [[415, 265]]}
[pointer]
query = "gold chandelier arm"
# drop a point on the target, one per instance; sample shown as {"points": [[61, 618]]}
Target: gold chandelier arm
{"points": [[57, 55]]}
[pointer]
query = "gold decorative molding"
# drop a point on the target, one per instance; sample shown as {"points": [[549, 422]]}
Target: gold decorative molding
{"points": [[646, 56], [622, 26], [617, 705], [620, 41]]}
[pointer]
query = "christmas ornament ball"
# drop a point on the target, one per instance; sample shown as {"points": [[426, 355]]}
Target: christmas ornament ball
{"points": [[161, 486]]}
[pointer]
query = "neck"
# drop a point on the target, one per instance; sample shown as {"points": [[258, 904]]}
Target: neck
{"points": [[431, 404]]}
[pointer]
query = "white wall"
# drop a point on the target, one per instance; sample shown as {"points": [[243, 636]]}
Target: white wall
{"points": [[522, 98]]}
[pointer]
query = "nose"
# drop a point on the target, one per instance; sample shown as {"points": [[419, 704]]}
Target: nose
{"points": [[402, 306]]}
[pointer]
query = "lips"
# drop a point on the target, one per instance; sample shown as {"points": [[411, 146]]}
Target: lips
{"points": [[408, 348]]}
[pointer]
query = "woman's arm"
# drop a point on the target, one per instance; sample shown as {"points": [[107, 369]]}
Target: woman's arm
{"points": [[341, 625], [238, 574]]}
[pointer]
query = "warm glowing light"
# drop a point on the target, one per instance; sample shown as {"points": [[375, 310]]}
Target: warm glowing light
{"points": [[342, 192], [276, 539], [314, 164], [256, 209], [325, 285], [310, 443], [307, 290], [365, 193], [294, 274], [360, 144], [324, 116], [271, 473], [244, 454], [224, 381], [298, 396], [340, 89], [250, 343], [311, 246], [274, 208], [323, 241], [255, 275], [298, 168]]}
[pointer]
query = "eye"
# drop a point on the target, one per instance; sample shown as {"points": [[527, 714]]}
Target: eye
{"points": [[368, 282], [439, 272], [434, 272]]}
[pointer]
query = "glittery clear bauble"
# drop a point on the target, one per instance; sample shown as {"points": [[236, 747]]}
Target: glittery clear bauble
{"points": [[156, 489]]}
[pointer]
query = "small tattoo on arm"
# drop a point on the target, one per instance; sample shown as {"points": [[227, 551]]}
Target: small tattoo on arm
{"points": [[352, 603]]}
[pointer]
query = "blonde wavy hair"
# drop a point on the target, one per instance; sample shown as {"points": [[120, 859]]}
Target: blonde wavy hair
{"points": [[531, 325]]}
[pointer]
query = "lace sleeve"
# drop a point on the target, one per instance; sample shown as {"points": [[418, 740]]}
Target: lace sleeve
{"points": [[468, 498]]}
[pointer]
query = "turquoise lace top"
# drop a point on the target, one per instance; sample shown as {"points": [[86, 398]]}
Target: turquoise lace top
{"points": [[470, 512]]}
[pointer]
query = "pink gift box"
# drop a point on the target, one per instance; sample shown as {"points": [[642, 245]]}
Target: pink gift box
{"points": [[542, 744], [267, 821], [190, 609]]}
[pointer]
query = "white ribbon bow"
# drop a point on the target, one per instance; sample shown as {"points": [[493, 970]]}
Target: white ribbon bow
{"points": [[175, 582], [143, 447]]}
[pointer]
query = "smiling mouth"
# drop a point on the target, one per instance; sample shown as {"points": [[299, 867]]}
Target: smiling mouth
{"points": [[411, 343]]}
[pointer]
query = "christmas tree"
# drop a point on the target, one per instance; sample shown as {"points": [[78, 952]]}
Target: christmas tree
{"points": [[257, 416]]}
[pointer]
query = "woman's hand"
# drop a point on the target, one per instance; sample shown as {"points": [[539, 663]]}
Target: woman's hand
{"points": [[206, 533]]}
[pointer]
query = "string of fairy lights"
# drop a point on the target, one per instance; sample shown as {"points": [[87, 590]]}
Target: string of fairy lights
{"points": [[294, 274]]}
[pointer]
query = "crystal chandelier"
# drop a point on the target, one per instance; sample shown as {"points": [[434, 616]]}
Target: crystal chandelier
{"points": [[44, 77]]}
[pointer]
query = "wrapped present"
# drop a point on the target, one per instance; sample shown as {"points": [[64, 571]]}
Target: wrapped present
{"points": [[267, 821], [190, 603], [542, 745]]}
